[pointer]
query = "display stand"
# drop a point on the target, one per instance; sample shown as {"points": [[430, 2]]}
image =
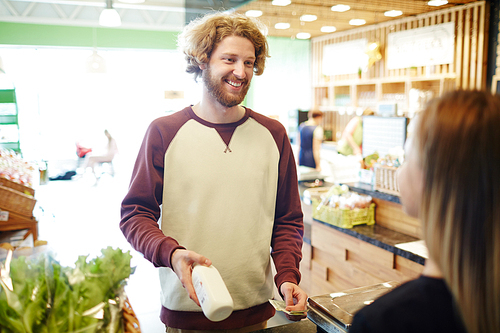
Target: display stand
{"points": [[19, 222], [9, 123]]}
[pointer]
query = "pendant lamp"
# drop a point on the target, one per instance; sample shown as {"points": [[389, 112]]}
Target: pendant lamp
{"points": [[96, 63], [109, 16]]}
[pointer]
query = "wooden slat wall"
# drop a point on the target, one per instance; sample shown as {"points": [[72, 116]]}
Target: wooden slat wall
{"points": [[338, 262], [335, 122], [470, 55]]}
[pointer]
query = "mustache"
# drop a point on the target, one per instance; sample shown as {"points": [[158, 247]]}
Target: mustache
{"points": [[235, 79]]}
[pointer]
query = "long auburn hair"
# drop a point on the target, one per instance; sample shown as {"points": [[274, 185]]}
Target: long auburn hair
{"points": [[458, 139], [202, 35]]}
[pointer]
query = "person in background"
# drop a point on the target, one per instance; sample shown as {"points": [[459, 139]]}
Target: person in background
{"points": [[310, 139], [352, 137], [450, 181], [92, 161], [221, 180]]}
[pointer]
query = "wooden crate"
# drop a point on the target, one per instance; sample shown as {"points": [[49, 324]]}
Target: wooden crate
{"points": [[17, 202], [386, 180], [16, 186]]}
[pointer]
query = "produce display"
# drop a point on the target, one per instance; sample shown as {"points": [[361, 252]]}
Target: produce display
{"points": [[14, 168], [385, 170], [393, 159], [39, 295], [345, 209], [339, 196], [369, 161]]}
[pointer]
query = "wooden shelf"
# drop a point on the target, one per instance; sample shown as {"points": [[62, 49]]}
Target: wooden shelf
{"points": [[19, 222]]}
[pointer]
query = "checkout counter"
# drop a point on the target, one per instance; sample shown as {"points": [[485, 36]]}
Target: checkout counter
{"points": [[333, 313], [344, 269]]}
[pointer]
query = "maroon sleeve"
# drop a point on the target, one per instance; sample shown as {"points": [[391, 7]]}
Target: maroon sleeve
{"points": [[140, 210], [288, 230]]}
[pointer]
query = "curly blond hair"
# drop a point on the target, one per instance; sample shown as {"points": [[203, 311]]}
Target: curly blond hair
{"points": [[200, 37]]}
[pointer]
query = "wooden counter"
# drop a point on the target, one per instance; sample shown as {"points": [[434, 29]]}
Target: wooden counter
{"points": [[336, 259], [303, 326]]}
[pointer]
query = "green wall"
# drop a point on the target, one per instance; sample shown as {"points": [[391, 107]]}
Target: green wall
{"points": [[285, 84], [56, 35]]}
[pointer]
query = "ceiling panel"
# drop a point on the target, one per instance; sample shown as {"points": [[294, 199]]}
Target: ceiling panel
{"points": [[371, 11], [142, 16]]}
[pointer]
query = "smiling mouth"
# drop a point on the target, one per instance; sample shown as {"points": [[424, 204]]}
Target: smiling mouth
{"points": [[234, 83]]}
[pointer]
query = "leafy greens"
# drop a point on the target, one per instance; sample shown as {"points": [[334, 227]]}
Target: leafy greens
{"points": [[47, 297]]}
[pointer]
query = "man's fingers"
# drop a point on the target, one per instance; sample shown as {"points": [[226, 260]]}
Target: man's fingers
{"points": [[287, 294], [184, 261], [201, 260], [295, 318], [192, 294]]}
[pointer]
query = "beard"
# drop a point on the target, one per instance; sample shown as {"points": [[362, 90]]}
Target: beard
{"points": [[215, 89]]}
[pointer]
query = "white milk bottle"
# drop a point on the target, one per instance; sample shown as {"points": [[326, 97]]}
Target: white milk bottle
{"points": [[215, 300]]}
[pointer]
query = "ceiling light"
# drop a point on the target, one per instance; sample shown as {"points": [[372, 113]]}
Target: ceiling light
{"points": [[282, 25], [328, 28], [253, 13], [357, 22], [303, 35], [393, 13], [308, 18], [437, 3], [340, 8], [109, 16], [96, 63], [281, 2]]}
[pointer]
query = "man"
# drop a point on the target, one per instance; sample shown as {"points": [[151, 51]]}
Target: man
{"points": [[226, 181]]}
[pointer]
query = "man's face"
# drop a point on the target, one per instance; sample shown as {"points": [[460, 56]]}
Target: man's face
{"points": [[228, 74]]}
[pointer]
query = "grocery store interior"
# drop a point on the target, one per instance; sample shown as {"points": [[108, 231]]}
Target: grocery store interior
{"points": [[75, 78]]}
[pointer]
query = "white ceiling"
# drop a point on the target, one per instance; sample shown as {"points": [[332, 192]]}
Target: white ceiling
{"points": [[370, 10], [150, 15], [173, 14]]}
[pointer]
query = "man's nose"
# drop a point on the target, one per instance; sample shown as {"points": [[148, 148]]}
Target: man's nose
{"points": [[239, 70]]}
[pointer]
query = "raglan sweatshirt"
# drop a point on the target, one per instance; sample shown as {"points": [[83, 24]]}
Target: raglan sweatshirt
{"points": [[226, 191]]}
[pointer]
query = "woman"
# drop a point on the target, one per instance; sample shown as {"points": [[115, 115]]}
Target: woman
{"points": [[310, 139], [451, 181], [106, 157], [351, 142]]}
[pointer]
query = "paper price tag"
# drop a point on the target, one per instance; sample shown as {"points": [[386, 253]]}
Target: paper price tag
{"points": [[4, 215]]}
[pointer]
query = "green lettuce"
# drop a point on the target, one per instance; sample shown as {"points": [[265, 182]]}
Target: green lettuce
{"points": [[48, 297]]}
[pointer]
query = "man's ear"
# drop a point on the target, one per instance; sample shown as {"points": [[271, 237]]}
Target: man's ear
{"points": [[203, 66]]}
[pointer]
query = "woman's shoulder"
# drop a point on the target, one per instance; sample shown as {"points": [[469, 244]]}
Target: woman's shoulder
{"points": [[421, 305]]}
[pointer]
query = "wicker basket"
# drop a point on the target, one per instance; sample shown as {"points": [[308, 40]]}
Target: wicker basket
{"points": [[16, 186], [346, 218], [386, 180], [16, 202], [130, 321]]}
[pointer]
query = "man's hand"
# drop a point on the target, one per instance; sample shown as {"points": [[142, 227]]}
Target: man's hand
{"points": [[182, 263], [295, 299]]}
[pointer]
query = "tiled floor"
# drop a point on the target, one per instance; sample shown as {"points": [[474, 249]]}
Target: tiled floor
{"points": [[78, 217]]}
